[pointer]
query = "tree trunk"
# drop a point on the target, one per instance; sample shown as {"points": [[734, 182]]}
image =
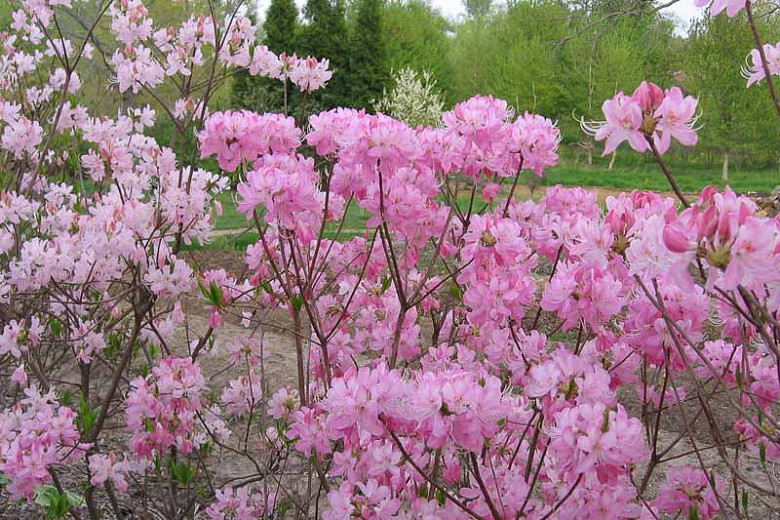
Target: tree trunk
{"points": [[612, 161], [726, 168]]}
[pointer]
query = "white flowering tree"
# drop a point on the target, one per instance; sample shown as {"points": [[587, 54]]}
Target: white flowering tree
{"points": [[413, 99]]}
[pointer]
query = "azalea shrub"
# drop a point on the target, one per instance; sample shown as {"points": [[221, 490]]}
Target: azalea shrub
{"points": [[467, 353]]}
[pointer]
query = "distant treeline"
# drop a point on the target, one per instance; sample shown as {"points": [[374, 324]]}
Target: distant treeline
{"points": [[557, 58]]}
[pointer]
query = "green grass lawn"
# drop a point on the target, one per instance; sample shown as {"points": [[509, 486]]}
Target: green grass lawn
{"points": [[647, 176]]}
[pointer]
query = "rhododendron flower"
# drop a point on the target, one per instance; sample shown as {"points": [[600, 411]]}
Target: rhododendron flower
{"points": [[491, 191], [732, 7], [624, 120], [242, 137], [427, 386], [309, 74], [35, 434], [106, 468], [690, 489], [18, 335], [755, 73], [240, 504], [676, 116], [593, 438], [19, 376], [649, 96], [288, 195], [282, 403], [22, 137], [242, 394], [645, 115], [162, 407]]}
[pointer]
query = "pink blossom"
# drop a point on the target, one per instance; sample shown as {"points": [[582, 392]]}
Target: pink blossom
{"points": [[689, 489], [35, 434], [162, 407], [732, 7], [676, 117], [240, 504], [242, 137], [624, 119], [491, 191], [756, 71], [107, 468]]}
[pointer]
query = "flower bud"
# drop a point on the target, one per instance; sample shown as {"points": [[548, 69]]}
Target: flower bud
{"points": [[491, 191], [649, 96], [675, 240]]}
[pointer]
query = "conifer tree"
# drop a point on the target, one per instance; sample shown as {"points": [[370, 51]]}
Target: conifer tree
{"points": [[325, 36], [280, 26], [368, 73]]}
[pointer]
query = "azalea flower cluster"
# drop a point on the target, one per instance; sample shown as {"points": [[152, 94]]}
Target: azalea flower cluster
{"points": [[242, 137], [650, 117], [162, 408], [308, 74], [622, 276], [149, 56], [454, 356], [36, 433]]}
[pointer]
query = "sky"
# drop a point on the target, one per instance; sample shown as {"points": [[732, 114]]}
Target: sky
{"points": [[684, 10]]}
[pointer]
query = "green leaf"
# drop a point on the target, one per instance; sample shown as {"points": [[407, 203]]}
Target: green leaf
{"points": [[67, 398], [693, 514], [206, 448], [744, 500], [46, 495], [114, 342], [456, 291], [213, 294], [182, 472], [297, 302], [56, 504], [87, 416], [203, 290], [386, 284], [73, 499], [284, 506], [55, 326], [216, 294]]}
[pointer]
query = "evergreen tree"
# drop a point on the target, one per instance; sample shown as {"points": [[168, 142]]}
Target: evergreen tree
{"points": [[368, 73], [280, 26], [325, 36]]}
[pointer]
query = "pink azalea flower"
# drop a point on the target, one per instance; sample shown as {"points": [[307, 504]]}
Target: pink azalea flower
{"points": [[676, 116]]}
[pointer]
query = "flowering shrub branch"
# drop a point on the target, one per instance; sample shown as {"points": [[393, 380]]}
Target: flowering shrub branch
{"points": [[463, 354]]}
